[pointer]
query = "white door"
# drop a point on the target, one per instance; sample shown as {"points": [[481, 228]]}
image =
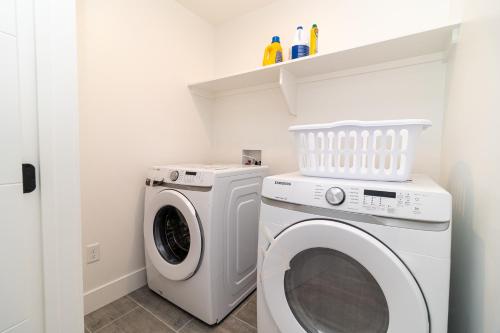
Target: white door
{"points": [[328, 276], [21, 308]]}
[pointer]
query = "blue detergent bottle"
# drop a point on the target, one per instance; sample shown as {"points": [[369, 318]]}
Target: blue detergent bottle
{"points": [[300, 46]]}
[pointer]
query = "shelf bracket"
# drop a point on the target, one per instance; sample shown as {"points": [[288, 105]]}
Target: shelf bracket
{"points": [[288, 87], [455, 35], [452, 43]]}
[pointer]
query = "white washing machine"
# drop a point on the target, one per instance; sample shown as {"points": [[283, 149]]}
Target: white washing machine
{"points": [[353, 256], [201, 233]]}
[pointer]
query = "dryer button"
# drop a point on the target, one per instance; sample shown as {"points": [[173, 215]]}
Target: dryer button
{"points": [[335, 196]]}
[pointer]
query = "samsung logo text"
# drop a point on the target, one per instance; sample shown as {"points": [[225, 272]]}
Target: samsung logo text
{"points": [[282, 183]]}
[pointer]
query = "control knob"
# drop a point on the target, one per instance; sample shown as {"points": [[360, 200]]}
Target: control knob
{"points": [[335, 196], [174, 175]]}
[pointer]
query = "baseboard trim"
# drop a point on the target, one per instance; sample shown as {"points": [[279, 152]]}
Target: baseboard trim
{"points": [[113, 290]]}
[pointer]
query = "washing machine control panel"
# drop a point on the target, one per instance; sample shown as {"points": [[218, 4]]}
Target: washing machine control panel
{"points": [[165, 176], [415, 201]]}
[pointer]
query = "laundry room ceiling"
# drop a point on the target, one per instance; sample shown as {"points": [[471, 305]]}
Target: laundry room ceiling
{"points": [[218, 11]]}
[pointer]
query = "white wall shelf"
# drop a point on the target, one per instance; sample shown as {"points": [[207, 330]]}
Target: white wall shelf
{"points": [[425, 46]]}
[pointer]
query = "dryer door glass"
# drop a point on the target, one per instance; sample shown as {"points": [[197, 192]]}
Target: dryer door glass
{"points": [[171, 234], [329, 291]]}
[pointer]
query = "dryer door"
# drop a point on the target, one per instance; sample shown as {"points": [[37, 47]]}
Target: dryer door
{"points": [[328, 276], [172, 235]]}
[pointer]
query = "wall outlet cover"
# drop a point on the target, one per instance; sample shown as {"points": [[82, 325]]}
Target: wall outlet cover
{"points": [[93, 253]]}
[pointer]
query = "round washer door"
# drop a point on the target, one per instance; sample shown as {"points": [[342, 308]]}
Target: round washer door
{"points": [[172, 235], [322, 276]]}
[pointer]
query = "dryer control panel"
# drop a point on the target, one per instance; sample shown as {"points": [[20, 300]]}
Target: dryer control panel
{"points": [[420, 199], [378, 202]]}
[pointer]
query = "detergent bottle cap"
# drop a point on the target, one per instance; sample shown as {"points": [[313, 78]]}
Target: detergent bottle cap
{"points": [[276, 39], [315, 25], [299, 27]]}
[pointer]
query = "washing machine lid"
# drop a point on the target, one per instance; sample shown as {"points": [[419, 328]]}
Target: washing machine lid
{"points": [[328, 276], [172, 235]]}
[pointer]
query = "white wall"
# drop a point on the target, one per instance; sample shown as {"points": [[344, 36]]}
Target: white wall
{"points": [[240, 42], [471, 160], [135, 58], [259, 120]]}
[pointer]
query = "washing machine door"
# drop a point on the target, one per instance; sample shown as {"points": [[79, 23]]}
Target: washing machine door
{"points": [[172, 235], [326, 276]]}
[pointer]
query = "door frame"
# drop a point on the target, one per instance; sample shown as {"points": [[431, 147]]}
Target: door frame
{"points": [[57, 106]]}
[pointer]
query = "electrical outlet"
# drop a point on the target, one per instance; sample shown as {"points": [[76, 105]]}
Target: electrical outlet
{"points": [[93, 253]]}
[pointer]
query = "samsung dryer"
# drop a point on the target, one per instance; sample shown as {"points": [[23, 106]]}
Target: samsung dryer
{"points": [[201, 233], [353, 256]]}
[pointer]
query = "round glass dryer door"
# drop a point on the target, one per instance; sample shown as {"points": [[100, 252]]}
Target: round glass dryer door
{"points": [[328, 291], [172, 235], [323, 276]]}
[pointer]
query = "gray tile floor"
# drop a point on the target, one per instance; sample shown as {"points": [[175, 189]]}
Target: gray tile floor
{"points": [[143, 311]]}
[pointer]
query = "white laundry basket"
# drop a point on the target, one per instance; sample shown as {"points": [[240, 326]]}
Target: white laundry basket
{"points": [[352, 149]]}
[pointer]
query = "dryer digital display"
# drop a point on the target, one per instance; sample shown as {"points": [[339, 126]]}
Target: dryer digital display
{"points": [[382, 194]]}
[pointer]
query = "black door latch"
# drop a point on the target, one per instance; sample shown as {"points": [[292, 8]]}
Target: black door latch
{"points": [[29, 178]]}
